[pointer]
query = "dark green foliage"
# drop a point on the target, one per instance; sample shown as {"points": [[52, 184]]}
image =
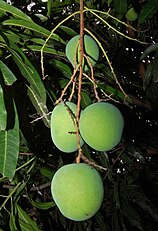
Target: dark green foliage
{"points": [[33, 73]]}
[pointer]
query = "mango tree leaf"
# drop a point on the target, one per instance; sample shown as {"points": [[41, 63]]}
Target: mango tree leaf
{"points": [[47, 172], [25, 222], [151, 73], [131, 215], [9, 146], [68, 30], [148, 50], [12, 221], [48, 50], [5, 7], [43, 205], [64, 68], [49, 8], [9, 77], [148, 11], [32, 26], [28, 71], [120, 7], [39, 105], [3, 112], [85, 100]]}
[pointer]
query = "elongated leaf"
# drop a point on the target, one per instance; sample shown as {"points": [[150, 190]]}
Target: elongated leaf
{"points": [[39, 105], [148, 50], [64, 68], [120, 7], [25, 222], [47, 172], [85, 100], [9, 149], [46, 49], [12, 221], [9, 77], [49, 7], [148, 11], [32, 26], [3, 112], [43, 205], [5, 7], [68, 30], [28, 71]]}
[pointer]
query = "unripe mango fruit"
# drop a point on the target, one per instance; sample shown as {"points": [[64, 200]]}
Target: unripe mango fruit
{"points": [[131, 14], [63, 130], [78, 191], [91, 50], [101, 126]]}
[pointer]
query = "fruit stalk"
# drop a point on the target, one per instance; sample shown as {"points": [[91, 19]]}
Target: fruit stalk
{"points": [[80, 78]]}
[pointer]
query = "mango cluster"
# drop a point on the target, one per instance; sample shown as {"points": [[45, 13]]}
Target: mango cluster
{"points": [[101, 126]]}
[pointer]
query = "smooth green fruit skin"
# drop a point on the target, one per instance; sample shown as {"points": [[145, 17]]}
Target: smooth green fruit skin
{"points": [[90, 47], [78, 191], [131, 14], [63, 130], [101, 126]]}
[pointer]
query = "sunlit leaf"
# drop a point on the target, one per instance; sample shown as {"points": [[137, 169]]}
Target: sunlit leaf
{"points": [[9, 146], [9, 77]]}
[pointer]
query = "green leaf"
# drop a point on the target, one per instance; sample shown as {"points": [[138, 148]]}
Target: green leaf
{"points": [[148, 10], [120, 7], [12, 221], [5, 7], [49, 7], [3, 112], [48, 50], [131, 215], [64, 68], [28, 71], [39, 105], [25, 222], [47, 172], [9, 146], [148, 50], [43, 205], [32, 26], [85, 100], [68, 30], [9, 77]]}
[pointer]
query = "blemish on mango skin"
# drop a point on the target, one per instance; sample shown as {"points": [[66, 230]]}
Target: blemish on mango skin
{"points": [[78, 191]]}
